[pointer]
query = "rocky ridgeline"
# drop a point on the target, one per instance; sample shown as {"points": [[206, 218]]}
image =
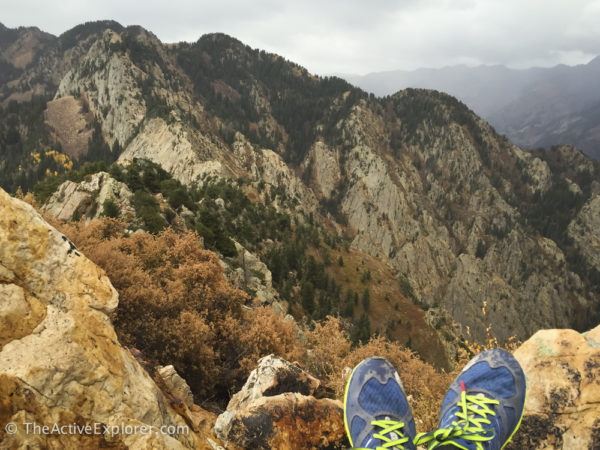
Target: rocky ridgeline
{"points": [[61, 363], [416, 180]]}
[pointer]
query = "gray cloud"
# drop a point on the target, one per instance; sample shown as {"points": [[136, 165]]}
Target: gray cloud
{"points": [[355, 36]]}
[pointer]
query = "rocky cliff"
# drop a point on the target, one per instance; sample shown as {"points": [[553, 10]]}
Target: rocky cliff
{"points": [[61, 364], [464, 218]]}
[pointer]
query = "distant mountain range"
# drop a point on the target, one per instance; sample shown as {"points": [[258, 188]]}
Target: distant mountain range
{"points": [[538, 107]]}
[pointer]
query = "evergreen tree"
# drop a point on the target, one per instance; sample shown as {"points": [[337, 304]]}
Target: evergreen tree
{"points": [[366, 299], [307, 294], [110, 208], [362, 330]]}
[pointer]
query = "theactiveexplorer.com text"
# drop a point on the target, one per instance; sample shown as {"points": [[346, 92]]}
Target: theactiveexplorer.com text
{"points": [[100, 428]]}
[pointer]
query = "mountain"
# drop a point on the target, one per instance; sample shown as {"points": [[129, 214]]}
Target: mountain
{"points": [[411, 204], [537, 107]]}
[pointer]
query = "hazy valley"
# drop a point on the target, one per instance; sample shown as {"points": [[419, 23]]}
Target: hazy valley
{"points": [[537, 107]]}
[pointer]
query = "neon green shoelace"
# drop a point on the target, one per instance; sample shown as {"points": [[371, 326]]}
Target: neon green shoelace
{"points": [[389, 427], [468, 427], [392, 428]]}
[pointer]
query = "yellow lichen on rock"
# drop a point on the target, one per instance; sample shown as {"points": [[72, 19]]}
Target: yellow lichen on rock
{"points": [[563, 390], [19, 313], [60, 359]]}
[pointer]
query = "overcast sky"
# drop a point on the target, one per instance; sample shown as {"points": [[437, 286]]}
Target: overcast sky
{"points": [[354, 36]]}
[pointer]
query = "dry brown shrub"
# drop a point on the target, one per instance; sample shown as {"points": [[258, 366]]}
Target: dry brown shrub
{"points": [[329, 346], [177, 308], [259, 333]]}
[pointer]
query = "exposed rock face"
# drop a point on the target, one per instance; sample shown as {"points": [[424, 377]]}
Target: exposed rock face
{"points": [[108, 81], [158, 141], [251, 274], [52, 59], [275, 409], [563, 390], [176, 384], [450, 229], [60, 361], [327, 168], [585, 231], [73, 200], [65, 116], [267, 166]]}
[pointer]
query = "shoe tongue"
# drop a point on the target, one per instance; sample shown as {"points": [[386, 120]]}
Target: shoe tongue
{"points": [[451, 414]]}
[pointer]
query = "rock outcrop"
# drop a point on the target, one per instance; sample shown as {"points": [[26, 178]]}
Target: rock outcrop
{"points": [[73, 200], [585, 231], [276, 409], [247, 272], [60, 360], [563, 390], [157, 142], [269, 167]]}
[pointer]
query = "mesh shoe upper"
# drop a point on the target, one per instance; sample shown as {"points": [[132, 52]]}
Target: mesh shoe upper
{"points": [[376, 411], [484, 405]]}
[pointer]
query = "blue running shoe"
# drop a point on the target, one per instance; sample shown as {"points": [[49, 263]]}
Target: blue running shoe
{"points": [[483, 407], [376, 411]]}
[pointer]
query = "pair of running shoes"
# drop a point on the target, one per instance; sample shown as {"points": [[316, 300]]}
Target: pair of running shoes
{"points": [[481, 411]]}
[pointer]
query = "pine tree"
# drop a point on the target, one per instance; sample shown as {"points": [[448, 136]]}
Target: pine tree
{"points": [[366, 299]]}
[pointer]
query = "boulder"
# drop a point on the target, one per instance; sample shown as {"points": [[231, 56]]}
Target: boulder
{"points": [[563, 390], [60, 360], [276, 409]]}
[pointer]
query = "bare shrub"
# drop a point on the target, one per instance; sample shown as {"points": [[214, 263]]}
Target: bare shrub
{"points": [[177, 308]]}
